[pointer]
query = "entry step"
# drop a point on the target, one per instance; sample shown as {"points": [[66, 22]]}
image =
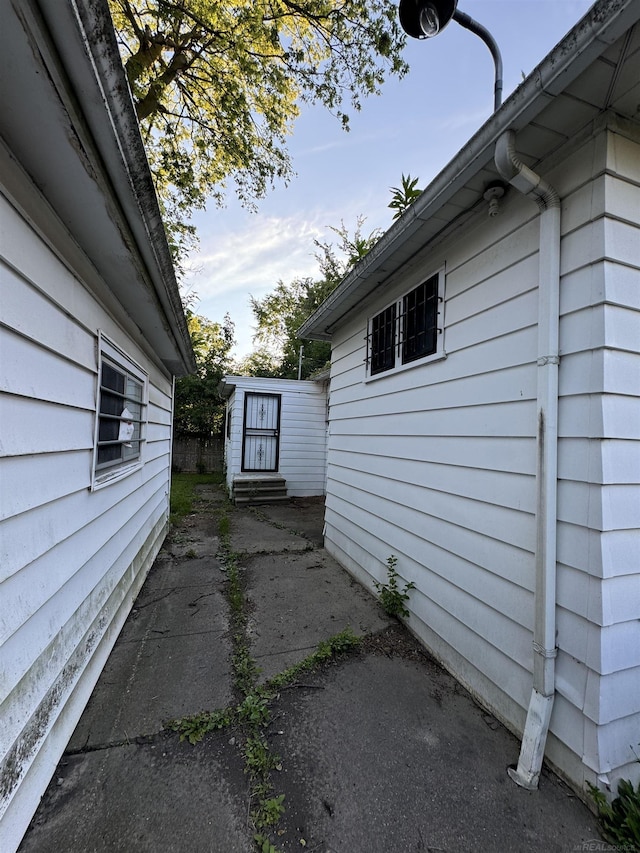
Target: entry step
{"points": [[258, 490]]}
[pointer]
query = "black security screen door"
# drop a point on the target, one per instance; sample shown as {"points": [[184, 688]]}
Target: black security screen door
{"points": [[261, 435]]}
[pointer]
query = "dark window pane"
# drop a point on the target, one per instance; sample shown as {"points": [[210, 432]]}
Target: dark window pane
{"points": [[108, 429], [383, 340], [420, 321], [112, 378], [109, 453], [110, 404]]}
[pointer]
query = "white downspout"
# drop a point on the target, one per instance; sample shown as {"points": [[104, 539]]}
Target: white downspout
{"points": [[536, 728]]}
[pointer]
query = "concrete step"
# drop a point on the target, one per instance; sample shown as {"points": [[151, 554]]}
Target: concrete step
{"points": [[248, 490], [252, 500]]}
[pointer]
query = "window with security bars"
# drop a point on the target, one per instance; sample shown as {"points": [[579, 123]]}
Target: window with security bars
{"points": [[408, 330], [420, 321], [121, 413], [383, 340]]}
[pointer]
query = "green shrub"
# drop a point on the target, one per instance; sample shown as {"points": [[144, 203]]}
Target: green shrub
{"points": [[391, 597], [620, 819]]}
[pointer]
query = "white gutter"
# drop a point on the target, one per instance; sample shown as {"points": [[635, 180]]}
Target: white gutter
{"points": [[536, 728]]}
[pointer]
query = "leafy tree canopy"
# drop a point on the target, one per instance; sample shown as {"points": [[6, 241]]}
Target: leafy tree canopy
{"points": [[199, 409], [218, 84], [260, 362], [281, 313]]}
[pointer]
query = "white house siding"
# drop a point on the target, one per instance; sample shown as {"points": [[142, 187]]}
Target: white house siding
{"points": [[598, 672], [303, 429], [435, 464], [71, 560]]}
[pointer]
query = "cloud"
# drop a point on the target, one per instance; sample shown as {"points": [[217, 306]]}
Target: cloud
{"points": [[259, 252]]}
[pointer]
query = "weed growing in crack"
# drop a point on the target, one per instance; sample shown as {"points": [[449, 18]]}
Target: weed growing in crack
{"points": [[268, 812], [264, 845], [224, 527], [244, 667], [235, 593], [196, 727], [392, 598], [258, 758], [345, 641], [254, 710]]}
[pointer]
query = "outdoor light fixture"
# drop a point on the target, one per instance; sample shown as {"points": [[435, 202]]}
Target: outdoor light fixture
{"points": [[423, 19]]}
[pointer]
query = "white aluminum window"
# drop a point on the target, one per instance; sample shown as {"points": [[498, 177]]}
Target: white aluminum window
{"points": [[409, 330], [121, 414]]}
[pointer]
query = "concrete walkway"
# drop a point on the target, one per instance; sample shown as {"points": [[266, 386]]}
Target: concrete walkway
{"points": [[376, 751]]}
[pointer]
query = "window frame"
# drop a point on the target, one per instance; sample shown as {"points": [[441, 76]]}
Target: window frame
{"points": [[112, 357], [403, 359]]}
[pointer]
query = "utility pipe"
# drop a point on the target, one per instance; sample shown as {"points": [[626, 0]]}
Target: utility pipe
{"points": [[536, 728]]}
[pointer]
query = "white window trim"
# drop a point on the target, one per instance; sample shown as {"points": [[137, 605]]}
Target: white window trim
{"points": [[109, 350], [399, 367]]}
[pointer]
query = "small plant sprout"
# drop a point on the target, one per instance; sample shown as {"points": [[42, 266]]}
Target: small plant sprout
{"points": [[391, 597]]}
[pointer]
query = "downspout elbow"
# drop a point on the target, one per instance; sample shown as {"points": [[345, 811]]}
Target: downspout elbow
{"points": [[520, 176]]}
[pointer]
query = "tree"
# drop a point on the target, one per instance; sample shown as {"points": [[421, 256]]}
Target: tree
{"points": [[199, 408], [217, 86], [281, 313], [260, 362], [403, 197]]}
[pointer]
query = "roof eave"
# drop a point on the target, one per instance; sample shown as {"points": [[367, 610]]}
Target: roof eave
{"points": [[602, 25], [133, 183]]}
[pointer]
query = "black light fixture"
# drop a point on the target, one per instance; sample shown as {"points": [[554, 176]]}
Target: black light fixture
{"points": [[423, 19]]}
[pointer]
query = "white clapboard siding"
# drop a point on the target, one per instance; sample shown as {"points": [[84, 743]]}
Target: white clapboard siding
{"points": [[82, 555], [303, 431], [435, 464]]}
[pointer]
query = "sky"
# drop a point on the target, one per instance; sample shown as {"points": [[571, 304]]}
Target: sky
{"points": [[415, 127]]}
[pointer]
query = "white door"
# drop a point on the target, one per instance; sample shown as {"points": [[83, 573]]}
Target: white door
{"points": [[261, 434]]}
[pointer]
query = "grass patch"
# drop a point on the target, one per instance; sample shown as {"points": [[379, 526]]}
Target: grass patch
{"points": [[183, 492]]}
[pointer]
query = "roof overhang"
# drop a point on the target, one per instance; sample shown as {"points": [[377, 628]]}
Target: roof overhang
{"points": [[228, 384], [67, 119], [595, 69]]}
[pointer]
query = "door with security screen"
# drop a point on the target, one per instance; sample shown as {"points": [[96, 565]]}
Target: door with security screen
{"points": [[261, 433]]}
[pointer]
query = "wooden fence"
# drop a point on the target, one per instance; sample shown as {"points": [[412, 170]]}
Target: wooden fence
{"points": [[198, 455]]}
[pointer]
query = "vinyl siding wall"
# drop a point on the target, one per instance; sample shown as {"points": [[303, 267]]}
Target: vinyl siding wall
{"points": [[71, 560], [303, 431], [436, 464], [598, 673]]}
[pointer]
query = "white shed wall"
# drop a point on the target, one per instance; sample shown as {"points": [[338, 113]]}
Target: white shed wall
{"points": [[436, 463], [71, 560], [303, 431]]}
